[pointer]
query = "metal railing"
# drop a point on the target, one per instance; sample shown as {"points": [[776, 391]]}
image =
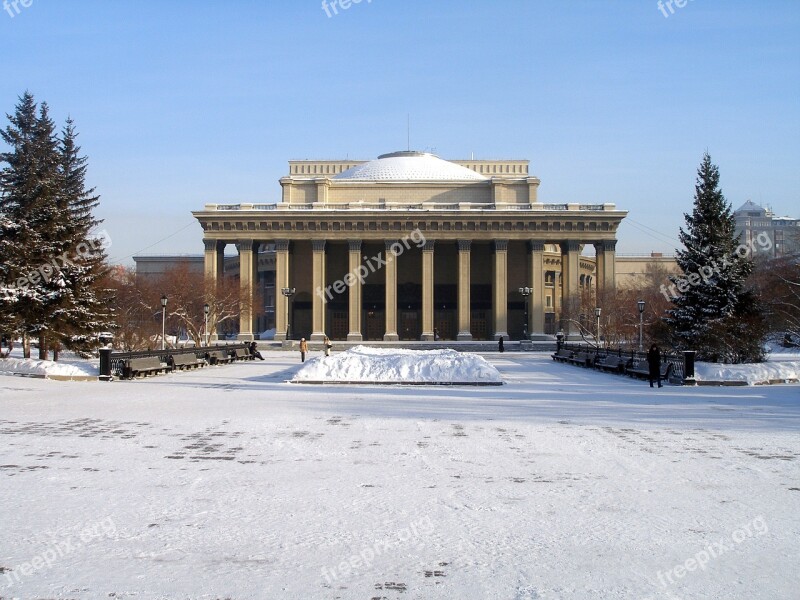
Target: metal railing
{"points": [[634, 358], [118, 359]]}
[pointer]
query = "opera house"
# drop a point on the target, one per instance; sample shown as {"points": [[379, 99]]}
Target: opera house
{"points": [[410, 246]]}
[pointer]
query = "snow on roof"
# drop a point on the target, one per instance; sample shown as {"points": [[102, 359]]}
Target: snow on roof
{"points": [[409, 166]]}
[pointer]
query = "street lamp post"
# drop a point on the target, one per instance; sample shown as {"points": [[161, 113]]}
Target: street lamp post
{"points": [[163, 320], [640, 304], [597, 315], [288, 292], [206, 309], [525, 291]]}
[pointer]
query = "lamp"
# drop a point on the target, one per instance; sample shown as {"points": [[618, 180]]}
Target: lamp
{"points": [[163, 320], [206, 309], [640, 304], [288, 292]]}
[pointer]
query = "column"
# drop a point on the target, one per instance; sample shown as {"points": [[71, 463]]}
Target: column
{"points": [[536, 307], [464, 305], [214, 271], [609, 262], [318, 301], [246, 285], [427, 291], [570, 287], [600, 271], [500, 296], [354, 297], [390, 334], [281, 281]]}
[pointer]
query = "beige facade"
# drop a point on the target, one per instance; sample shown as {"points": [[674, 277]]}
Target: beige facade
{"points": [[633, 272], [409, 246]]}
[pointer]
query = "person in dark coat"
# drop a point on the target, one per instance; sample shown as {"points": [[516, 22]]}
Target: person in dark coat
{"points": [[654, 364], [254, 351], [500, 344]]}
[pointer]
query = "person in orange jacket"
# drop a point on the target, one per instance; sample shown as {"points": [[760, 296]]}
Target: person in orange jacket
{"points": [[303, 349]]}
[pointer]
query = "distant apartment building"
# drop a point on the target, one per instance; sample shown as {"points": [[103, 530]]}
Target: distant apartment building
{"points": [[753, 220], [156, 267]]}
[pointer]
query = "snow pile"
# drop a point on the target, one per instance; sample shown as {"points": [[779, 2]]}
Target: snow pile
{"points": [[269, 334], [751, 373], [47, 368], [397, 365]]}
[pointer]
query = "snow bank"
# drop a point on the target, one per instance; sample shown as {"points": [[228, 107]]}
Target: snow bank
{"points": [[397, 365], [47, 368], [269, 334], [751, 373]]}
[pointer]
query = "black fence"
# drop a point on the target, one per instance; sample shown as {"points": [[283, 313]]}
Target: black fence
{"points": [[118, 359], [634, 358]]}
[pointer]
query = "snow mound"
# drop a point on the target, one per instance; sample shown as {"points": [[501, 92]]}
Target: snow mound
{"points": [[47, 368], [396, 365], [751, 373]]}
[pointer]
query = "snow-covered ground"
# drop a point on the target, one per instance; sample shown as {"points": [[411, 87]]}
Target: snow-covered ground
{"points": [[362, 364], [228, 482], [753, 374], [64, 368]]}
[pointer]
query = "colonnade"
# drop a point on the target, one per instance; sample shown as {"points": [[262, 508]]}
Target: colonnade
{"points": [[354, 283]]}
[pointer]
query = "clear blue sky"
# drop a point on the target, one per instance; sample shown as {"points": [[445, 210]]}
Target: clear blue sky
{"points": [[180, 103]]}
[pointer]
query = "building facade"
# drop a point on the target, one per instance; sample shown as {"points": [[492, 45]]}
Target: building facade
{"points": [[783, 233], [409, 246]]}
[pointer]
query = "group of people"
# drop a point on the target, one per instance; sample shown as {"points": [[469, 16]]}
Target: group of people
{"points": [[326, 342]]}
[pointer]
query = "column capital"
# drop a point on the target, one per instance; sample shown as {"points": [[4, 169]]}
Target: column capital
{"points": [[536, 246], [281, 245], [429, 244], [354, 245], [570, 246], [318, 245], [210, 244], [245, 246], [607, 245], [464, 245], [501, 245]]}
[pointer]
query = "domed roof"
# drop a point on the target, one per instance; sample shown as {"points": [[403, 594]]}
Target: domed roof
{"points": [[409, 166]]}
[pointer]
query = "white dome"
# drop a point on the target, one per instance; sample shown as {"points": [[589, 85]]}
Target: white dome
{"points": [[409, 166]]}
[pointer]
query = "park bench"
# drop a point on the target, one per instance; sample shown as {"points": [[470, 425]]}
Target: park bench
{"points": [[218, 357], [612, 363], [242, 354], [186, 361], [562, 355], [642, 370], [144, 366], [583, 359]]}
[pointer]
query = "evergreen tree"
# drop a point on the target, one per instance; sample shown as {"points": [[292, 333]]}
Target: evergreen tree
{"points": [[85, 311], [52, 262], [30, 229], [713, 312]]}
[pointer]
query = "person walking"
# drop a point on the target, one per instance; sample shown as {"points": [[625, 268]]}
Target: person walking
{"points": [[654, 364], [303, 349], [435, 334], [328, 345], [500, 347], [254, 351]]}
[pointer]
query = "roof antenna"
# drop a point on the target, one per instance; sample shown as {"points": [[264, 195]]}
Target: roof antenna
{"points": [[408, 131]]}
